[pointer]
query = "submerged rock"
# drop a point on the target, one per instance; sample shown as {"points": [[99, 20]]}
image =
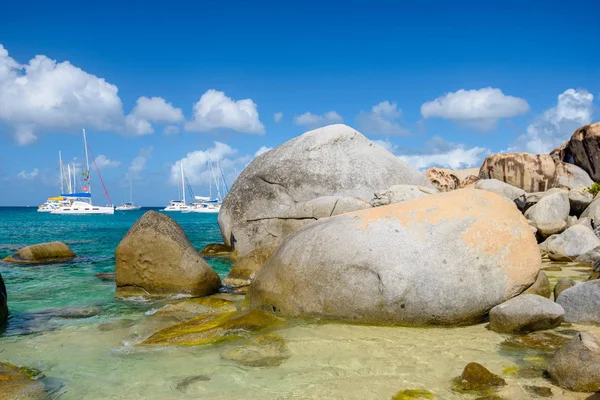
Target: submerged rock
{"points": [[267, 350], [335, 160], [546, 341], [106, 276], [189, 308], [414, 394], [549, 215], [70, 312], [477, 379], [526, 313], [541, 286], [156, 258], [216, 250], [43, 253], [445, 259], [214, 328], [3, 302], [399, 193], [538, 391], [245, 268], [573, 242], [563, 285], [185, 383], [18, 383], [581, 302], [577, 365]]}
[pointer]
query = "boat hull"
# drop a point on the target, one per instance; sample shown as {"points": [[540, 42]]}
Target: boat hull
{"points": [[84, 210]]}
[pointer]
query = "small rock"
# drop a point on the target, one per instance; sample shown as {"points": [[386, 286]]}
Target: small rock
{"points": [[581, 302], [563, 285], [539, 391], [476, 378], [216, 250], [552, 269], [414, 394], [43, 253], [536, 340], [525, 313], [190, 308], [263, 351], [577, 365], [245, 268], [106, 276], [571, 243], [70, 312], [541, 286], [185, 383], [549, 215]]}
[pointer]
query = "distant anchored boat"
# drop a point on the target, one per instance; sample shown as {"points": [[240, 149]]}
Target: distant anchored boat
{"points": [[128, 206]]}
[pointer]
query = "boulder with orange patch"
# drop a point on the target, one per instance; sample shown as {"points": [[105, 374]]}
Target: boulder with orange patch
{"points": [[445, 259]]}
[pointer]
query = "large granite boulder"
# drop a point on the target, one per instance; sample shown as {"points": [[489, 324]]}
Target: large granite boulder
{"points": [[398, 193], [443, 179], [530, 172], [581, 302], [43, 253], [582, 150], [579, 199], [549, 215], [577, 365], [3, 302], [573, 242], [512, 193], [526, 313], [444, 259], [570, 176], [335, 160], [156, 258]]}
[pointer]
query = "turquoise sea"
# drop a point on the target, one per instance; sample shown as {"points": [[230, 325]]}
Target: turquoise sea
{"points": [[67, 323]]}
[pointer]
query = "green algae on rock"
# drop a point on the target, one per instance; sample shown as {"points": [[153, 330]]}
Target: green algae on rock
{"points": [[216, 250], [245, 268], [536, 340], [214, 328], [414, 394], [477, 379], [189, 308], [19, 383], [42, 253], [538, 391], [267, 350]]}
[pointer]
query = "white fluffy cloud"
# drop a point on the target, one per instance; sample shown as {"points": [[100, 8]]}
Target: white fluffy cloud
{"points": [[48, 95], [382, 119], [277, 117], [28, 175], [262, 150], [156, 109], [574, 108], [138, 164], [315, 121], [215, 110], [104, 162], [440, 153], [480, 108]]}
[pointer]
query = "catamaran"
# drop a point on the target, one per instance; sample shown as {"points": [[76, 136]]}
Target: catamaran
{"points": [[179, 205], [54, 202], [209, 204], [128, 206], [80, 203]]}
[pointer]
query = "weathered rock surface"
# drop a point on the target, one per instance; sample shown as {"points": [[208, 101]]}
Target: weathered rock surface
{"points": [[563, 285], [3, 302], [476, 378], [541, 286], [469, 181], [43, 253], [216, 250], [530, 172], [399, 193], [187, 309], [575, 241], [16, 384], [570, 176], [267, 350], [156, 258], [582, 150], [526, 313], [581, 302], [443, 179], [577, 365], [512, 193], [410, 263], [546, 341], [549, 214], [335, 160], [245, 268], [579, 199]]}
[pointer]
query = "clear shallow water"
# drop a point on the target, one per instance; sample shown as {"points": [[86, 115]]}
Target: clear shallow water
{"points": [[100, 358]]}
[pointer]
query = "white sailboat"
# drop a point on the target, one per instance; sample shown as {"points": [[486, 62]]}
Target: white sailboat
{"points": [[80, 203], [208, 205], [52, 203], [128, 206], [179, 205]]}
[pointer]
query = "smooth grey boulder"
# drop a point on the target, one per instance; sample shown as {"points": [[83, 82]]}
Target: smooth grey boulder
{"points": [[577, 365], [512, 193], [534, 197], [549, 214], [444, 259], [541, 286], [591, 209], [563, 285], [581, 302], [573, 242], [398, 193], [335, 160], [526, 313], [570, 176], [579, 199], [591, 256]]}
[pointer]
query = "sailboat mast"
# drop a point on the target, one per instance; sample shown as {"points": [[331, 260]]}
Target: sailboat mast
{"points": [[62, 185], [216, 182], [130, 191], [74, 178], [69, 182], [86, 174], [182, 183]]}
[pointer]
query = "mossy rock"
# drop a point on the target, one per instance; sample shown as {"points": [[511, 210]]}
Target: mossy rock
{"points": [[43, 253], [410, 394], [477, 379], [529, 372], [552, 269], [19, 383], [214, 328], [267, 350], [245, 268], [216, 250], [189, 308], [538, 391], [536, 340]]}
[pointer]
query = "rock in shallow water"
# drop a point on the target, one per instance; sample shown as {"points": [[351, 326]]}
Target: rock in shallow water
{"points": [[267, 350], [216, 250], [581, 302], [546, 341], [245, 268], [43, 253], [17, 383], [189, 308], [477, 379], [575, 241], [445, 259], [541, 286], [526, 313], [156, 258], [563, 285], [577, 365], [414, 394]]}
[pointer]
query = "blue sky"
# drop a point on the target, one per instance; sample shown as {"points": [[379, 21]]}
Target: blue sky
{"points": [[438, 83]]}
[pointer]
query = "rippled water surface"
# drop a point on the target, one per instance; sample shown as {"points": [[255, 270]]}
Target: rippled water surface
{"points": [[100, 357]]}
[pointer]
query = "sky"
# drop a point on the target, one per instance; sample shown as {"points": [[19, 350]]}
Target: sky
{"points": [[154, 84]]}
